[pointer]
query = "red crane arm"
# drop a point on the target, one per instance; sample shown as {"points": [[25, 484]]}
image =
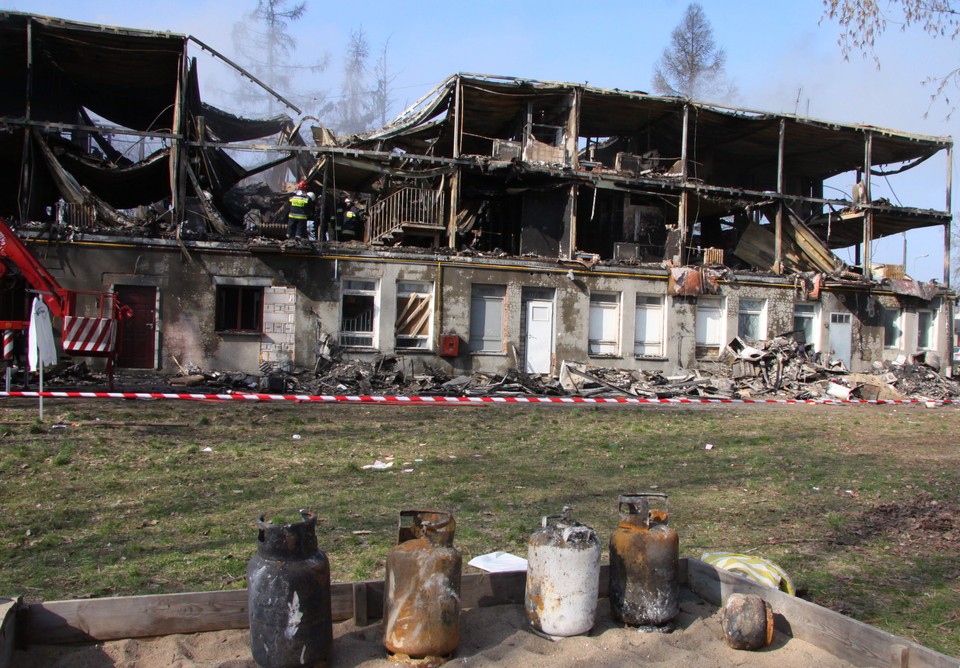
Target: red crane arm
{"points": [[13, 249]]}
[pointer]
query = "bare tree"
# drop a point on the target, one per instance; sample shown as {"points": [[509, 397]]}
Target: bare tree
{"points": [[264, 45], [355, 111], [692, 66], [382, 102], [862, 22]]}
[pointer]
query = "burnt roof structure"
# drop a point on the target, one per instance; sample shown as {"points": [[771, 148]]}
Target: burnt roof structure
{"points": [[481, 163]]}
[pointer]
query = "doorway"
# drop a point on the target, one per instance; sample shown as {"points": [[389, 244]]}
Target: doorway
{"points": [[138, 337], [538, 342], [841, 331]]}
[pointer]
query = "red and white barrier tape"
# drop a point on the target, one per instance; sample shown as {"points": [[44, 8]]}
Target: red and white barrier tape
{"points": [[391, 399]]}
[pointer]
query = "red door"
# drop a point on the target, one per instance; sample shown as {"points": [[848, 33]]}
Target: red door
{"points": [[137, 333]]}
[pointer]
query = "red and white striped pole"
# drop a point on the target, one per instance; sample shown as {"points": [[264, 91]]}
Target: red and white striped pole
{"points": [[8, 344]]}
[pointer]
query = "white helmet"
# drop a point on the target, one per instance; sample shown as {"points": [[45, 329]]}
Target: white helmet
{"points": [[312, 196]]}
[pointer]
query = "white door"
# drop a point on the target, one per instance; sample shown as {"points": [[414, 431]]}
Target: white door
{"points": [[539, 343], [840, 337]]}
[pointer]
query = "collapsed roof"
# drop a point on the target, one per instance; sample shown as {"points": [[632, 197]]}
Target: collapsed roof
{"points": [[508, 165], [68, 90]]}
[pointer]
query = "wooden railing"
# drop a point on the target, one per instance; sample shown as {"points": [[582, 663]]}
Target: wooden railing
{"points": [[408, 206]]}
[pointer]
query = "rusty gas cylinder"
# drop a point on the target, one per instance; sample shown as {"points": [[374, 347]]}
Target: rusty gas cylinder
{"points": [[644, 563], [421, 609], [288, 590], [563, 576], [747, 622]]}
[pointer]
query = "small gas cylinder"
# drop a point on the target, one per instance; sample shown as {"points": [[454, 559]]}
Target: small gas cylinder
{"points": [[288, 589], [421, 609], [563, 576], [644, 563]]}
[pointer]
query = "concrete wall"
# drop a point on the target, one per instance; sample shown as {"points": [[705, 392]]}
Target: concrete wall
{"points": [[187, 285]]}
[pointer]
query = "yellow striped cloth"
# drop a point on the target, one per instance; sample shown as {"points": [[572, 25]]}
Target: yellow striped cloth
{"points": [[757, 569]]}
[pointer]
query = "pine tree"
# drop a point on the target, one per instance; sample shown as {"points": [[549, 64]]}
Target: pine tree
{"points": [[692, 66]]}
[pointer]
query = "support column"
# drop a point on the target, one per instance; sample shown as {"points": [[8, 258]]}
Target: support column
{"points": [[26, 178], [178, 162], [683, 212], [778, 225], [568, 243], [949, 306], [455, 176], [868, 207]]}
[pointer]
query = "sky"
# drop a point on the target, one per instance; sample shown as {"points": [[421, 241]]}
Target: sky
{"points": [[781, 56]]}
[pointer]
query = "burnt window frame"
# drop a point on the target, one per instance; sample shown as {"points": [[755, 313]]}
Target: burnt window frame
{"points": [[248, 302], [352, 290]]}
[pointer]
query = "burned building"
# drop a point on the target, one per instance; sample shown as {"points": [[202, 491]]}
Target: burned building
{"points": [[504, 222]]}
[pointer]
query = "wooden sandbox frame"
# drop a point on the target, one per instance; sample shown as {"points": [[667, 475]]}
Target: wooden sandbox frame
{"points": [[92, 620]]}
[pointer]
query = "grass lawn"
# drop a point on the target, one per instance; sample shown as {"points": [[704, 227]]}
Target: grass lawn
{"points": [[858, 503]]}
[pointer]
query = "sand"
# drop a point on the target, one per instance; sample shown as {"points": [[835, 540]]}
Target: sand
{"points": [[495, 636]]}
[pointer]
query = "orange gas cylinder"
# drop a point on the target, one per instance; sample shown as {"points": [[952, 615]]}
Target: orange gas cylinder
{"points": [[644, 563], [421, 610]]}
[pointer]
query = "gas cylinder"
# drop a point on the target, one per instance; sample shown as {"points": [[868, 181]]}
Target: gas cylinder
{"points": [[288, 589], [421, 609], [563, 576], [644, 563]]}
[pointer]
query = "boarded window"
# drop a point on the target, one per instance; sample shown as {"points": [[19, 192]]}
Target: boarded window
{"points": [[648, 336], [486, 318], [414, 325], [604, 328], [239, 308], [358, 314]]}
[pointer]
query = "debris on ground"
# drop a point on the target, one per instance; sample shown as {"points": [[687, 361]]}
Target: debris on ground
{"points": [[780, 368]]}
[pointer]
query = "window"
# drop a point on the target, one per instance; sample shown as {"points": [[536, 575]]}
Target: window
{"points": [[358, 314], [648, 336], [604, 328], [892, 329], [486, 318], [805, 323], [710, 329], [414, 315], [751, 322], [239, 308], [926, 330]]}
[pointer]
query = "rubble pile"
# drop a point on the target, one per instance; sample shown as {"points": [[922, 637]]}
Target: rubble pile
{"points": [[781, 368]]}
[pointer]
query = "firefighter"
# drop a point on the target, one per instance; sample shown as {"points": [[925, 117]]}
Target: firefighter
{"points": [[300, 205], [351, 229]]}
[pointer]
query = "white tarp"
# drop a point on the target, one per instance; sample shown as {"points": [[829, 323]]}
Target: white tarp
{"points": [[41, 349]]}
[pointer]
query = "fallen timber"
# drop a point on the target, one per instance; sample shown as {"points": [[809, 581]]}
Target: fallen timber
{"points": [[93, 620]]}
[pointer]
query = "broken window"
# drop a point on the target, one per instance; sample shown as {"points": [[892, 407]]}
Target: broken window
{"points": [[751, 322], [805, 323], [710, 326], [486, 318], [414, 315], [892, 328], [604, 328], [648, 334], [358, 314], [239, 308], [926, 330]]}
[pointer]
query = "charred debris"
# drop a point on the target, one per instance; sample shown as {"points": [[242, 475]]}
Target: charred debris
{"points": [[778, 369]]}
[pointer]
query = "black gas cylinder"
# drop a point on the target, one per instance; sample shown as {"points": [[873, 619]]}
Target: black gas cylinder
{"points": [[288, 585]]}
